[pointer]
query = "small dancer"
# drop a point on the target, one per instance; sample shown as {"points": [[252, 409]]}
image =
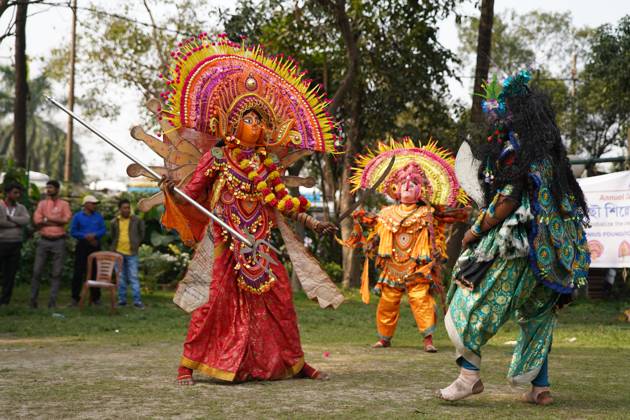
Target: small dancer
{"points": [[406, 240]]}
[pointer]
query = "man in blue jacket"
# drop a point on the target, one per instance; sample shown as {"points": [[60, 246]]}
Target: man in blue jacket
{"points": [[87, 227]]}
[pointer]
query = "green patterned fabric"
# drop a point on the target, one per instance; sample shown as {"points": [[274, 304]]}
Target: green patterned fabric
{"points": [[557, 239], [509, 288], [537, 253]]}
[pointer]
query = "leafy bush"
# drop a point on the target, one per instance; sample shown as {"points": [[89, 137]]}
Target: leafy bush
{"points": [[15, 174], [159, 268], [334, 270]]}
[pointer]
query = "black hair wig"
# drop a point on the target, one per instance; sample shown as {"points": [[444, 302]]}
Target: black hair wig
{"points": [[533, 120]]}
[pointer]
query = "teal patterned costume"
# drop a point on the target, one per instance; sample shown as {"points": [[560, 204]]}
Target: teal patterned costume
{"points": [[537, 253]]}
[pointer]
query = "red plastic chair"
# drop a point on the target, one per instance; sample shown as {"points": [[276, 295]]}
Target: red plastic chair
{"points": [[108, 267]]}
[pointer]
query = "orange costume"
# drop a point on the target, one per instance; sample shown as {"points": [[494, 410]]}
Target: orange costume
{"points": [[231, 117], [406, 240]]}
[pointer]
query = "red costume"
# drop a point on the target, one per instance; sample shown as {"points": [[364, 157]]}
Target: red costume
{"points": [[243, 324], [248, 328]]}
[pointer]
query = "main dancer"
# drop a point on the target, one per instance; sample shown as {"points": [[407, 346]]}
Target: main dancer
{"points": [[257, 107]]}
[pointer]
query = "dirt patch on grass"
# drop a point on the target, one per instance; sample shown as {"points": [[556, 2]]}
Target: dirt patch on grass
{"points": [[84, 380], [93, 365]]}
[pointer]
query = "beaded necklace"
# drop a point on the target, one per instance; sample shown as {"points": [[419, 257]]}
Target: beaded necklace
{"points": [[269, 182]]}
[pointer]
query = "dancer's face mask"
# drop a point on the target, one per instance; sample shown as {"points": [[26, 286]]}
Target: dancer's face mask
{"points": [[250, 129], [409, 192]]}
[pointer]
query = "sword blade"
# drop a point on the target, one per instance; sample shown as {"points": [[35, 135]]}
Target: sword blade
{"points": [[380, 180], [350, 209], [185, 196], [373, 188]]}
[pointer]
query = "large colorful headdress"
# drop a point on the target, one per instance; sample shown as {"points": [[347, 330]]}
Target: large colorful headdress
{"points": [[434, 164], [211, 84]]}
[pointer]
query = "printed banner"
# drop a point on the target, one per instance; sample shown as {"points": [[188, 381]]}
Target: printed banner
{"points": [[608, 199]]}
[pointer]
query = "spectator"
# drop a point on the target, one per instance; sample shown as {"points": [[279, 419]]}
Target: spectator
{"points": [[13, 217], [87, 227], [127, 233], [50, 218]]}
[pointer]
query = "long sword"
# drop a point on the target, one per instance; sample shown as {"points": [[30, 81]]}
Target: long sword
{"points": [[372, 189], [249, 242]]}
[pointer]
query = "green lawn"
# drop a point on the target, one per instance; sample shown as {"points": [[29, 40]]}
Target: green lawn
{"points": [[92, 364]]}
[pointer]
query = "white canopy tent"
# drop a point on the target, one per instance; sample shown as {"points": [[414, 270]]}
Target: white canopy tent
{"points": [[36, 178]]}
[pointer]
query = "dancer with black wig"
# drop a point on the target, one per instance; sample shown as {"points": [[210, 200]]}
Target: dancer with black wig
{"points": [[527, 251]]}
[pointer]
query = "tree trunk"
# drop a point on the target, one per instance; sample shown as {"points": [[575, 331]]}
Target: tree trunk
{"points": [[35, 160], [350, 257], [347, 87], [328, 184], [67, 169], [21, 86], [484, 46]]}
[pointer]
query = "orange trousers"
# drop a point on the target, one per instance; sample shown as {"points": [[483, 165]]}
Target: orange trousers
{"points": [[422, 306]]}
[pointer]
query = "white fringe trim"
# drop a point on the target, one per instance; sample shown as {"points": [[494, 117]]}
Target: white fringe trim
{"points": [[524, 379], [460, 349], [505, 239]]}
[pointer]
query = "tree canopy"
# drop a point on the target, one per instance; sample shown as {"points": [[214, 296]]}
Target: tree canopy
{"points": [[45, 140], [603, 111], [591, 103], [380, 62]]}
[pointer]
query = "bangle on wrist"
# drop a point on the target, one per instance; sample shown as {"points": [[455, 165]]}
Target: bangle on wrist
{"points": [[476, 231]]}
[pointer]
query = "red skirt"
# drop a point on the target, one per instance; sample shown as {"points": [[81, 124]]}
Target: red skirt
{"points": [[241, 336]]}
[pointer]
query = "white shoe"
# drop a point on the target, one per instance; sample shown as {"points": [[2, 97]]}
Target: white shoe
{"points": [[467, 383]]}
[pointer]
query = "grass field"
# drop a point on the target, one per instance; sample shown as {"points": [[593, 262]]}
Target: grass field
{"points": [[66, 364]]}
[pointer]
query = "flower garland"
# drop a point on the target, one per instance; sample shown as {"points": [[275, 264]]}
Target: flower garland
{"points": [[274, 192]]}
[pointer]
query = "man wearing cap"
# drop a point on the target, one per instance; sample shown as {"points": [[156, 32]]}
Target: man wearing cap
{"points": [[50, 218], [87, 227]]}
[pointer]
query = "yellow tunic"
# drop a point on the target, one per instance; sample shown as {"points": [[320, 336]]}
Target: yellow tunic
{"points": [[404, 251], [410, 245], [406, 255], [124, 244]]}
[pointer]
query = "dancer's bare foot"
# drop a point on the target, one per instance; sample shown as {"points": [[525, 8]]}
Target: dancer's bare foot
{"points": [[185, 380], [428, 345], [321, 376], [467, 383], [184, 376], [310, 372], [538, 396], [381, 344]]}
